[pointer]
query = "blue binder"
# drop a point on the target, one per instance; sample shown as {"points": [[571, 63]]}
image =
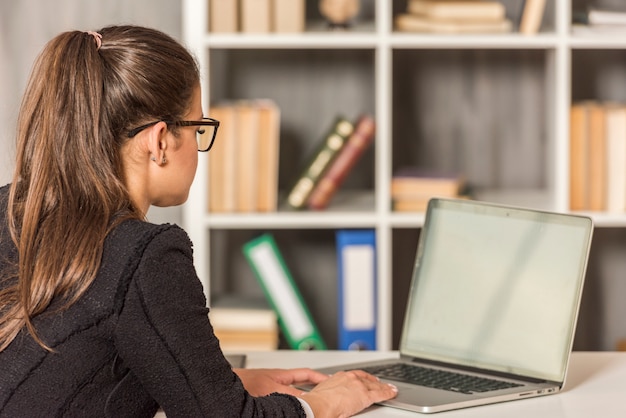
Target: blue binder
{"points": [[356, 260]]}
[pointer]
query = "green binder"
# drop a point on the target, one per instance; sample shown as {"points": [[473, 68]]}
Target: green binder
{"points": [[294, 318]]}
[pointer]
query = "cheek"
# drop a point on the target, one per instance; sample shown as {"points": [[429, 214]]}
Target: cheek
{"points": [[194, 159], [191, 163]]}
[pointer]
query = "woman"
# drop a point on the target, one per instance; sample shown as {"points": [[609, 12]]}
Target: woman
{"points": [[101, 312]]}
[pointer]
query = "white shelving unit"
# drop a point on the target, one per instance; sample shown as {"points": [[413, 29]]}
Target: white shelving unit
{"points": [[401, 67]]}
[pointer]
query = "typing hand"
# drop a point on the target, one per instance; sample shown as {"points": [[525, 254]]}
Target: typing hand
{"points": [[261, 382], [347, 393]]}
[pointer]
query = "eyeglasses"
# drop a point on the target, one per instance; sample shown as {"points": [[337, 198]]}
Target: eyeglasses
{"points": [[205, 135]]}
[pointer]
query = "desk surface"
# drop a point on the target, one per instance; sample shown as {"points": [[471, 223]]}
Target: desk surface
{"points": [[595, 386]]}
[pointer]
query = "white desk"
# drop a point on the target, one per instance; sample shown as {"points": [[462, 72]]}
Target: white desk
{"points": [[595, 386]]}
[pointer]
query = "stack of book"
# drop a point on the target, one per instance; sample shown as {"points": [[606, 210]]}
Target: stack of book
{"points": [[336, 154], [598, 156], [244, 324], [454, 16], [243, 163], [412, 188], [256, 16], [600, 20]]}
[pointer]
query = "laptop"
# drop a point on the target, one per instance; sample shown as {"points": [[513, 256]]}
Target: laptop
{"points": [[492, 308]]}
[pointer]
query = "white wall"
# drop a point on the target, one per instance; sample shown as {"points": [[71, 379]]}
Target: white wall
{"points": [[25, 27]]}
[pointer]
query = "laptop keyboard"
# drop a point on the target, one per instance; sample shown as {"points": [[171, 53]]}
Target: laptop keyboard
{"points": [[439, 379]]}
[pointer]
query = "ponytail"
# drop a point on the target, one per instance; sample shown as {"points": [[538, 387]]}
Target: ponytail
{"points": [[86, 90]]}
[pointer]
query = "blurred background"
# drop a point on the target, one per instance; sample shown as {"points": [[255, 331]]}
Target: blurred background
{"points": [[26, 26]]}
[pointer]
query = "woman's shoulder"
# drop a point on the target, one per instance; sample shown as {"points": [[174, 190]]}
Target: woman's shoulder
{"points": [[130, 245], [135, 230], [132, 238]]}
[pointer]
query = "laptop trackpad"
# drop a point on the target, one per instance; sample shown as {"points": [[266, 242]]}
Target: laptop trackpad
{"points": [[426, 396]]}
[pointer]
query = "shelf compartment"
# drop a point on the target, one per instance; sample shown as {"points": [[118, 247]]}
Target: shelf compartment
{"points": [[404, 249], [598, 75], [480, 113], [311, 87], [513, 12], [310, 256]]}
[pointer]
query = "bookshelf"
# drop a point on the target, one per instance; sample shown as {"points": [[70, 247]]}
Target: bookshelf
{"points": [[495, 106]]}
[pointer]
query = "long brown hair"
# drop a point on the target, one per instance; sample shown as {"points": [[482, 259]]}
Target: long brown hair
{"points": [[68, 189]]}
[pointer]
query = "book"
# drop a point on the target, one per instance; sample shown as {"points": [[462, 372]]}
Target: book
{"points": [[599, 21], [411, 188], [268, 156], [578, 165], [411, 205], [244, 324], [616, 158], [412, 182], [288, 16], [532, 15], [255, 16], [247, 140], [294, 317], [459, 10], [317, 164], [356, 263], [415, 23], [223, 16], [597, 158], [222, 161], [605, 30], [606, 17], [243, 165], [360, 139]]}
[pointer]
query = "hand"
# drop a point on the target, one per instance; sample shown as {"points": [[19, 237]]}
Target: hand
{"points": [[347, 393], [261, 382]]}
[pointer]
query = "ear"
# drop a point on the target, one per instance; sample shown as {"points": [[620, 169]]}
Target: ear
{"points": [[157, 142]]}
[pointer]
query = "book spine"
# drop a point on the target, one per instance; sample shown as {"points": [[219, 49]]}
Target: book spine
{"points": [[288, 16], [616, 158], [532, 15], [597, 158], [255, 16], [407, 187], [316, 166], [360, 139], [280, 289], [247, 155], [578, 156], [223, 16], [468, 10], [606, 17], [222, 162], [268, 156], [416, 23]]}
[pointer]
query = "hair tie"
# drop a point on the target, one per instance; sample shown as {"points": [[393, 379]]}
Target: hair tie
{"points": [[97, 37]]}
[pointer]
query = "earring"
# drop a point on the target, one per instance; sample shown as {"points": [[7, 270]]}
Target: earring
{"points": [[164, 160], [152, 158]]}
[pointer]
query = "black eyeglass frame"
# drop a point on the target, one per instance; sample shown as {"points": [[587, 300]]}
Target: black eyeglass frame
{"points": [[204, 122]]}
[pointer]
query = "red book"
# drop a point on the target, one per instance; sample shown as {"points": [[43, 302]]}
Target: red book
{"points": [[360, 139]]}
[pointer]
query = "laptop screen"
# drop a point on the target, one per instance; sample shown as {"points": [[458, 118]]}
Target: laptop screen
{"points": [[497, 287]]}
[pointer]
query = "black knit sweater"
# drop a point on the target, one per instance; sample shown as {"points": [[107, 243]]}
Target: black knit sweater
{"points": [[139, 338]]}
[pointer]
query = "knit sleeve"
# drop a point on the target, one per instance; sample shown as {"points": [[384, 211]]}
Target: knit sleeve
{"points": [[164, 338]]}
